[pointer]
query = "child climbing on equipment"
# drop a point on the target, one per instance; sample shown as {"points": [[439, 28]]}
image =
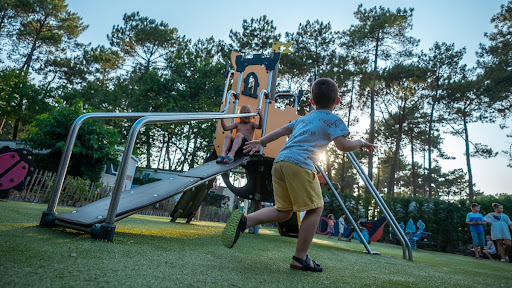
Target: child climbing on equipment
{"points": [[330, 225], [245, 132], [296, 186]]}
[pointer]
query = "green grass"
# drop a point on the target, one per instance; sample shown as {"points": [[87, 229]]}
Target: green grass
{"points": [[151, 251]]}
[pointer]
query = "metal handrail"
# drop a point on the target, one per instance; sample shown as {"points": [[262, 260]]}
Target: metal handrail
{"points": [[406, 246], [70, 142], [228, 77], [238, 86], [361, 238], [130, 143], [225, 100], [288, 94], [267, 102]]}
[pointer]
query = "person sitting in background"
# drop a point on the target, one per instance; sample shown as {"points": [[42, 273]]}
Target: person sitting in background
{"points": [[490, 249]]}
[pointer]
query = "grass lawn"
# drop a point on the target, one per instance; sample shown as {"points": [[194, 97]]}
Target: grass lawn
{"points": [[151, 251]]}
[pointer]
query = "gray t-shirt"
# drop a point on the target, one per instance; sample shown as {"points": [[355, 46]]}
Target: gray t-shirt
{"points": [[310, 136]]}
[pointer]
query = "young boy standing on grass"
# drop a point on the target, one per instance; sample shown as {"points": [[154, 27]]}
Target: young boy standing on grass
{"points": [[296, 185], [476, 220], [341, 223]]}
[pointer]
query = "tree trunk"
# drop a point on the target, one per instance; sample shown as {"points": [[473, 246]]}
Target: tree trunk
{"points": [[162, 152], [468, 161], [413, 169], [429, 143], [396, 153], [148, 148], [372, 111], [424, 173], [193, 155], [394, 164], [2, 124], [28, 61], [343, 159], [185, 155], [15, 129]]}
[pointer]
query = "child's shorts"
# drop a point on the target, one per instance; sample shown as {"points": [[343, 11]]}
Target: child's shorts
{"points": [[295, 188], [478, 239]]}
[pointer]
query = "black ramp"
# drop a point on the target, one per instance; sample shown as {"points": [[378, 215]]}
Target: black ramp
{"points": [[137, 198]]}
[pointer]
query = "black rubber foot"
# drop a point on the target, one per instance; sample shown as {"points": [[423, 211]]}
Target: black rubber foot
{"points": [[95, 231], [4, 194], [106, 232], [48, 219]]}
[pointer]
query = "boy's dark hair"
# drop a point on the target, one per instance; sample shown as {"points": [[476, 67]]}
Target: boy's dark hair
{"points": [[474, 205], [324, 92]]}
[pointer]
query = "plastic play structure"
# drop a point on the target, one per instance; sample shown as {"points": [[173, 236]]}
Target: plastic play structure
{"points": [[253, 83], [16, 165], [414, 235], [375, 228]]}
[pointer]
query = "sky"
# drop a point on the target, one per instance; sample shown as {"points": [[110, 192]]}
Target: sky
{"points": [[462, 22]]}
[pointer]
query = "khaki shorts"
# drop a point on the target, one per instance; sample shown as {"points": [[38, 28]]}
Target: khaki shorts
{"points": [[295, 188]]}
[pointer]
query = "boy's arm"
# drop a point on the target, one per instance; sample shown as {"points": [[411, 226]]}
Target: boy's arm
{"points": [[346, 145], [259, 125], [227, 127], [255, 145]]}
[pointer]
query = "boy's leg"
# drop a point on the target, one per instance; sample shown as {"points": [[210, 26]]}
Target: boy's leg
{"points": [[476, 243], [236, 144], [307, 232], [267, 215], [237, 223], [227, 144]]}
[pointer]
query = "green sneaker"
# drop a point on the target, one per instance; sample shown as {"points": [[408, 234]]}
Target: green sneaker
{"points": [[234, 228]]}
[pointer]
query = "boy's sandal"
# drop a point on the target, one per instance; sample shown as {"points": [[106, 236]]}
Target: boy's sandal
{"points": [[306, 264], [220, 159], [236, 225], [228, 160]]}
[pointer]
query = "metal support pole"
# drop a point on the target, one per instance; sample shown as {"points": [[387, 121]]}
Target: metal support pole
{"points": [[226, 100], [267, 102], [361, 238], [238, 86], [230, 74], [107, 229], [406, 246]]}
